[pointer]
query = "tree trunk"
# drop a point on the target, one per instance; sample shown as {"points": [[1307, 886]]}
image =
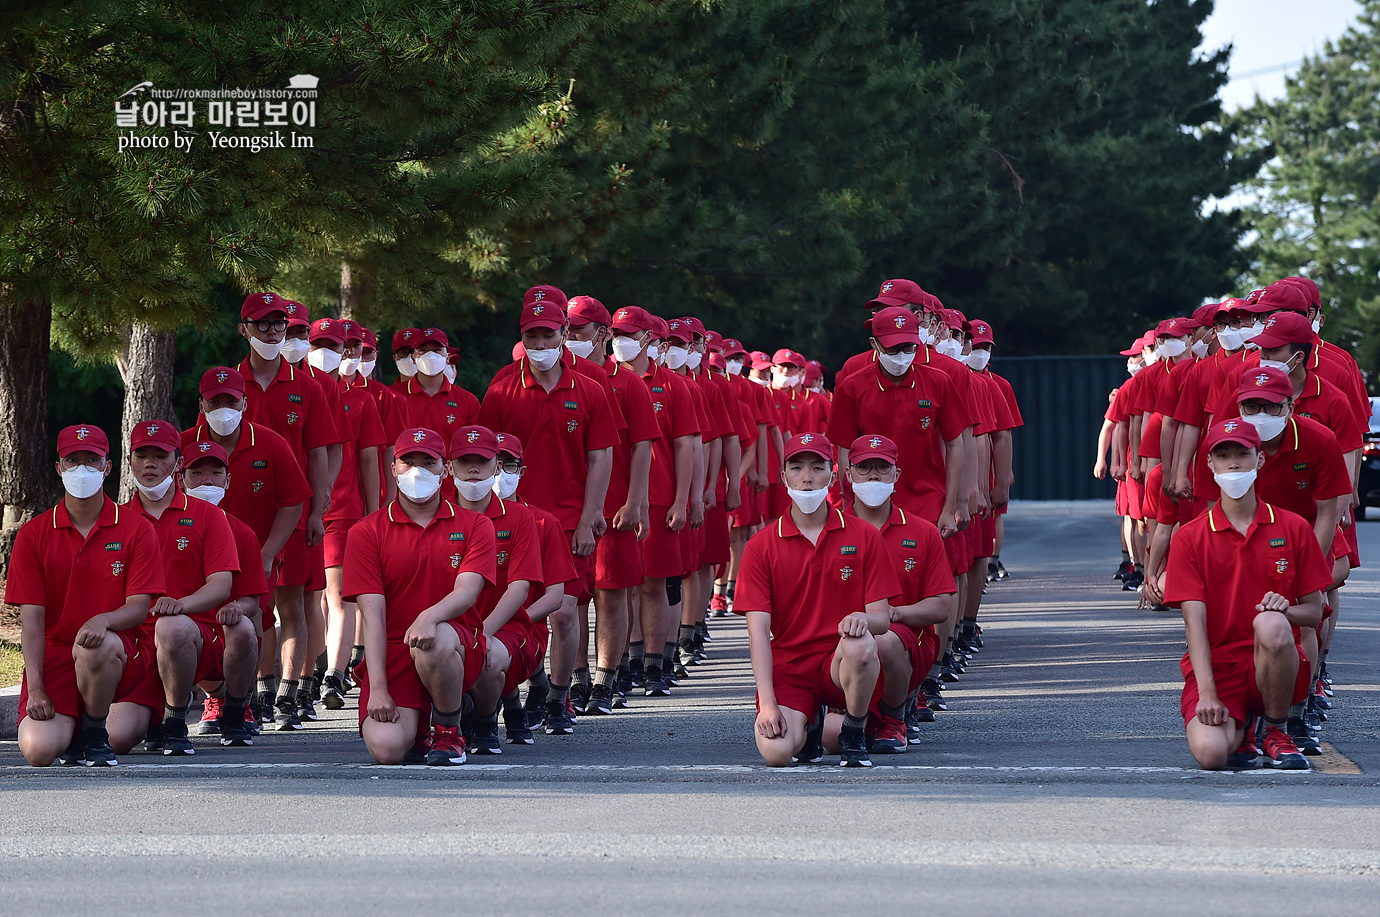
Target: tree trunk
{"points": [[147, 370], [26, 476], [354, 287]]}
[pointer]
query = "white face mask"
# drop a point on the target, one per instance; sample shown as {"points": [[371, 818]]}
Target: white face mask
{"points": [[543, 359], [950, 348], [474, 491], [1151, 357], [927, 337], [1235, 483], [625, 348], [654, 352], [366, 368], [324, 359], [449, 373], [349, 366], [978, 359], [807, 501], [873, 493], [1133, 368], [431, 363], [1256, 327], [676, 356], [266, 350], [506, 484], [224, 420], [896, 363], [1172, 347], [694, 360], [418, 484], [1317, 325], [1268, 427], [157, 491], [761, 382], [407, 367], [1281, 365], [1230, 339], [580, 348], [735, 367], [211, 493], [1200, 349], [82, 481], [294, 349]]}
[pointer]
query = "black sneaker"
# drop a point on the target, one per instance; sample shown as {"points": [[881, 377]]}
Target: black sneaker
{"points": [[668, 677], [1125, 570], [812, 752], [975, 640], [285, 716], [962, 649], [933, 699], [685, 656], [1303, 737], [991, 572], [332, 693], [263, 707], [702, 633], [853, 747], [655, 686], [1133, 581], [1001, 571], [579, 696], [637, 674], [175, 741], [622, 687], [600, 701], [557, 721], [535, 705], [306, 710], [235, 732], [72, 756], [515, 726], [947, 672], [96, 750], [485, 740], [153, 739], [1247, 754], [1312, 718]]}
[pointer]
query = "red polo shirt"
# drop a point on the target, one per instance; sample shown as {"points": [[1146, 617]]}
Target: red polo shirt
{"points": [[195, 541], [364, 429], [1213, 563], [264, 477], [445, 412], [1321, 401], [1195, 393], [556, 563], [585, 367], [558, 430], [720, 424], [1339, 367], [920, 413], [293, 406], [412, 567], [1009, 394], [1172, 385], [330, 389], [758, 398], [809, 588], [918, 556], [635, 406], [675, 416], [76, 578], [518, 558], [389, 404], [249, 581], [820, 409], [1307, 468]]}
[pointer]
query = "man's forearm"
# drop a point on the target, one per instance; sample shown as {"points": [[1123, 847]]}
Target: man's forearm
{"points": [[32, 643], [283, 525], [369, 478], [319, 477], [639, 473], [599, 465]]}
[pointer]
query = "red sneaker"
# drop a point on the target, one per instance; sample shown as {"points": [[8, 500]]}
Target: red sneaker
{"points": [[1320, 698], [210, 717], [1281, 752], [718, 606], [447, 747], [1247, 754], [887, 736]]}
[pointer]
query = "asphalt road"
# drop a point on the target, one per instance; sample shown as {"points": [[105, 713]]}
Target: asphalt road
{"points": [[1058, 782]]}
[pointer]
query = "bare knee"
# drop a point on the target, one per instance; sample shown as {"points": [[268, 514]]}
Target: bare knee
{"points": [[858, 652], [174, 633], [775, 752], [1272, 632]]}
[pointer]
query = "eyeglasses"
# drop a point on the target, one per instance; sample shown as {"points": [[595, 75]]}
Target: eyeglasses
{"points": [[264, 326], [69, 462], [511, 467], [1274, 410]]}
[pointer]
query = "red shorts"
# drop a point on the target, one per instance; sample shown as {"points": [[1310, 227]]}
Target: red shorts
{"points": [[921, 647], [1236, 687], [803, 684], [405, 685], [333, 545], [1128, 494], [294, 567], [778, 501], [987, 537], [60, 676], [1353, 555], [526, 644], [956, 547], [750, 512], [617, 560], [149, 692], [690, 542], [583, 583], [661, 552], [716, 548]]}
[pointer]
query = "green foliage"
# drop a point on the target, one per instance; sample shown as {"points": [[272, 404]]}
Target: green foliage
{"points": [[1317, 200]]}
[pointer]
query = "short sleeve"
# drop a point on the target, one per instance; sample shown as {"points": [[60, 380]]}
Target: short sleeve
{"points": [[753, 590], [26, 584], [363, 574], [144, 575]]}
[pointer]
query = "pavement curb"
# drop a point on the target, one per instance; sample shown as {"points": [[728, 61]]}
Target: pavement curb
{"points": [[9, 712]]}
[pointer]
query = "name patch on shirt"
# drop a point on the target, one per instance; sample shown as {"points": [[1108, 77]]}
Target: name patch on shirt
{"points": [[1300, 466], [457, 536], [113, 545], [926, 403], [572, 406], [186, 521], [849, 549], [295, 399], [658, 389], [908, 543], [1276, 542], [503, 536], [452, 404], [260, 464]]}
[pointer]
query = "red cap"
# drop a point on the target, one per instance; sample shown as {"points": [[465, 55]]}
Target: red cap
{"points": [[734, 348], [784, 356], [953, 318], [812, 373], [678, 329], [1136, 346], [1252, 304], [1309, 288], [219, 380], [899, 292], [760, 360], [543, 313], [872, 447], [1235, 430], [661, 329], [695, 325], [205, 450], [327, 329], [367, 338], [420, 439], [474, 440], [261, 305], [297, 314], [158, 433], [82, 437], [932, 303], [1284, 296], [818, 365], [1171, 328], [714, 341], [896, 325], [434, 334], [807, 442], [717, 362], [1204, 313], [1222, 310], [631, 320], [581, 310], [510, 444], [406, 339], [452, 355], [981, 331], [351, 330], [1284, 328], [546, 294], [519, 351], [1266, 383]]}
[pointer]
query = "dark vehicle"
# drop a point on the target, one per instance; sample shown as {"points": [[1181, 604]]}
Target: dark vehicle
{"points": [[1369, 485]]}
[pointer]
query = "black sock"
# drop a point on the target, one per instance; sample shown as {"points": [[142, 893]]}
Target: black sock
{"points": [[175, 713], [438, 718], [854, 722], [581, 676], [268, 684], [636, 651], [605, 677], [287, 691], [969, 628], [233, 711], [668, 655], [898, 713], [686, 634], [219, 691], [90, 722]]}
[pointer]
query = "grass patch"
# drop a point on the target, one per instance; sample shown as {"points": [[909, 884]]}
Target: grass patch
{"points": [[11, 663]]}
